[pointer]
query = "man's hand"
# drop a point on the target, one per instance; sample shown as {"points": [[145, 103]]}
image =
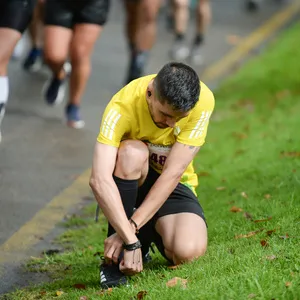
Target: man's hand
{"points": [[132, 263], [113, 247]]}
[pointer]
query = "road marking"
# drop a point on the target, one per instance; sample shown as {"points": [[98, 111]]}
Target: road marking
{"points": [[251, 42], [45, 220]]}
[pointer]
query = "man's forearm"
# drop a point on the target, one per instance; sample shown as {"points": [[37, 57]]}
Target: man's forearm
{"points": [[108, 198], [159, 193]]}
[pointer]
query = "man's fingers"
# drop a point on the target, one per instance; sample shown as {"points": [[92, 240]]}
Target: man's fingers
{"points": [[116, 255], [109, 253]]}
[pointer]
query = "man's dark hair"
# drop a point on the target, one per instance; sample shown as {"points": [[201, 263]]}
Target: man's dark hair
{"points": [[178, 85]]}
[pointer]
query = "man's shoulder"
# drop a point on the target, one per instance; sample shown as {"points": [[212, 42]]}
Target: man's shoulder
{"points": [[206, 98]]}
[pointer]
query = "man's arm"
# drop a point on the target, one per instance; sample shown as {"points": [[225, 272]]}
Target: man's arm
{"points": [[106, 191], [179, 158]]}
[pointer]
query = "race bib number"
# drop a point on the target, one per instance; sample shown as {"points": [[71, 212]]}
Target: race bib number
{"points": [[158, 155]]}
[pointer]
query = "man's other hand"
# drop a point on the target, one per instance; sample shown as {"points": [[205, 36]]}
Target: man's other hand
{"points": [[113, 247], [132, 262]]}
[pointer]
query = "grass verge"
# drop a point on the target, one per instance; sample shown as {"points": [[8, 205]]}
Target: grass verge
{"points": [[249, 173]]}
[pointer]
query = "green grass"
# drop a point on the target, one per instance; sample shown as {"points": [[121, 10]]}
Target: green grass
{"points": [[253, 147]]}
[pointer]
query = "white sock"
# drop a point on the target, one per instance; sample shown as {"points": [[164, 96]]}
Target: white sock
{"points": [[4, 89]]}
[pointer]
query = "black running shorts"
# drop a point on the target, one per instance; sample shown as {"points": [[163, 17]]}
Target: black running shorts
{"points": [[67, 13], [182, 199], [16, 14]]}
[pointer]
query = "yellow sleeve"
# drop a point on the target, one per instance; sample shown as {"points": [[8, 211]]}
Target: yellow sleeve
{"points": [[194, 132], [114, 125]]}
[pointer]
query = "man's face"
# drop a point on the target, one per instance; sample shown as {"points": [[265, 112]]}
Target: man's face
{"points": [[162, 115]]}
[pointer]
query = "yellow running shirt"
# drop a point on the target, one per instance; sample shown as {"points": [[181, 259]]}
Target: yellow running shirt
{"points": [[127, 117]]}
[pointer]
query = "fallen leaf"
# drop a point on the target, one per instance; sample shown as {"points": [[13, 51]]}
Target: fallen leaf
{"points": [[173, 267], [248, 216], [271, 257], [109, 290], [59, 293], [235, 209], [262, 220], [239, 152], [140, 295], [249, 234], [281, 94], [221, 188], [284, 236], [270, 232], [174, 281], [83, 298], [233, 39], [290, 154], [91, 247], [42, 293], [287, 284], [243, 194], [294, 171], [203, 174], [267, 196], [264, 243], [251, 296], [239, 135], [79, 286]]}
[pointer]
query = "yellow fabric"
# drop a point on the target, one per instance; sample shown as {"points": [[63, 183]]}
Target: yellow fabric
{"points": [[127, 117]]}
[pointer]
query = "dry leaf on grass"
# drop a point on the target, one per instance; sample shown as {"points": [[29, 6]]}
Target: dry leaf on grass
{"points": [[235, 209], [264, 243], [243, 194], [284, 237], [83, 298], [282, 94], [174, 281], [249, 234], [270, 232], [173, 267], [262, 220], [290, 154], [79, 286], [140, 295], [42, 293], [250, 296], [203, 174], [267, 196], [59, 293], [248, 216], [105, 292], [239, 135], [221, 188], [271, 257], [287, 284]]}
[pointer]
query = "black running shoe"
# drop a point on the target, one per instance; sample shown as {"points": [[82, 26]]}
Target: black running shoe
{"points": [[33, 61], [111, 276]]}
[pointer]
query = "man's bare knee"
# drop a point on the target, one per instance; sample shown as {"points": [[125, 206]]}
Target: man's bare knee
{"points": [[187, 253], [131, 159]]}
